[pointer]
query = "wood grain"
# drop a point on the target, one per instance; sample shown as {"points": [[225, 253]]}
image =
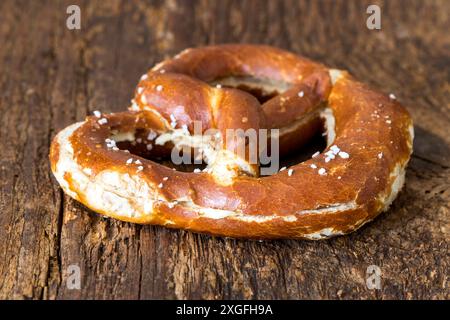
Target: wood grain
{"points": [[51, 77]]}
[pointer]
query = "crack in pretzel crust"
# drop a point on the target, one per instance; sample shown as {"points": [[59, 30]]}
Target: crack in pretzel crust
{"points": [[357, 176]]}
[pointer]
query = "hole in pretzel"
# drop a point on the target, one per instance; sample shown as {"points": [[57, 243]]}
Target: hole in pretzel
{"points": [[316, 143]]}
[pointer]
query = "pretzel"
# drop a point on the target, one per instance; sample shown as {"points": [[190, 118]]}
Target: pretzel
{"points": [[103, 161]]}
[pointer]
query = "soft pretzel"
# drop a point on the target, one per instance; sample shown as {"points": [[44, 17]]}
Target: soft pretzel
{"points": [[102, 162]]}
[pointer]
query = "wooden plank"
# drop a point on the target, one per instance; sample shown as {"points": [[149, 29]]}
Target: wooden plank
{"points": [[52, 77]]}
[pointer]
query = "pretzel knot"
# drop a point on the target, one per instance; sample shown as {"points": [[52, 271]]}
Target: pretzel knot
{"points": [[192, 101]]}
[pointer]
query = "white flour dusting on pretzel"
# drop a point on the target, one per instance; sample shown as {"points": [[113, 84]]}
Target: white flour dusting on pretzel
{"points": [[357, 176]]}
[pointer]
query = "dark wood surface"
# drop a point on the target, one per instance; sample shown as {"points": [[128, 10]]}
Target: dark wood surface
{"points": [[51, 77]]}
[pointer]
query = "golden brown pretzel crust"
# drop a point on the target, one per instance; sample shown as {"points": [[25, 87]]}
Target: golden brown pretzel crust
{"points": [[369, 134]]}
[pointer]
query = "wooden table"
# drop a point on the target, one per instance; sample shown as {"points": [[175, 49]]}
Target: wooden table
{"points": [[51, 77]]}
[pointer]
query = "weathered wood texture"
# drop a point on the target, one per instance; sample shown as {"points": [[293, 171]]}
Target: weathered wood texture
{"points": [[51, 77]]}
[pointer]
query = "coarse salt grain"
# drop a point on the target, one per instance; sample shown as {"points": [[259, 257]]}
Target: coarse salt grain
{"points": [[173, 122], [134, 105], [110, 143], [160, 185], [102, 121], [129, 161], [322, 171], [315, 154], [159, 87], [165, 178], [313, 166], [140, 90], [301, 94], [344, 155], [290, 172], [197, 170], [144, 77], [392, 96], [138, 162], [140, 168], [388, 121], [335, 149], [380, 155], [172, 204], [282, 169], [149, 147], [331, 154], [97, 113], [152, 135]]}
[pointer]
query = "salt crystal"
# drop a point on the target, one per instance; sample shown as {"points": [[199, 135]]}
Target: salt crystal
{"points": [[344, 155]]}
